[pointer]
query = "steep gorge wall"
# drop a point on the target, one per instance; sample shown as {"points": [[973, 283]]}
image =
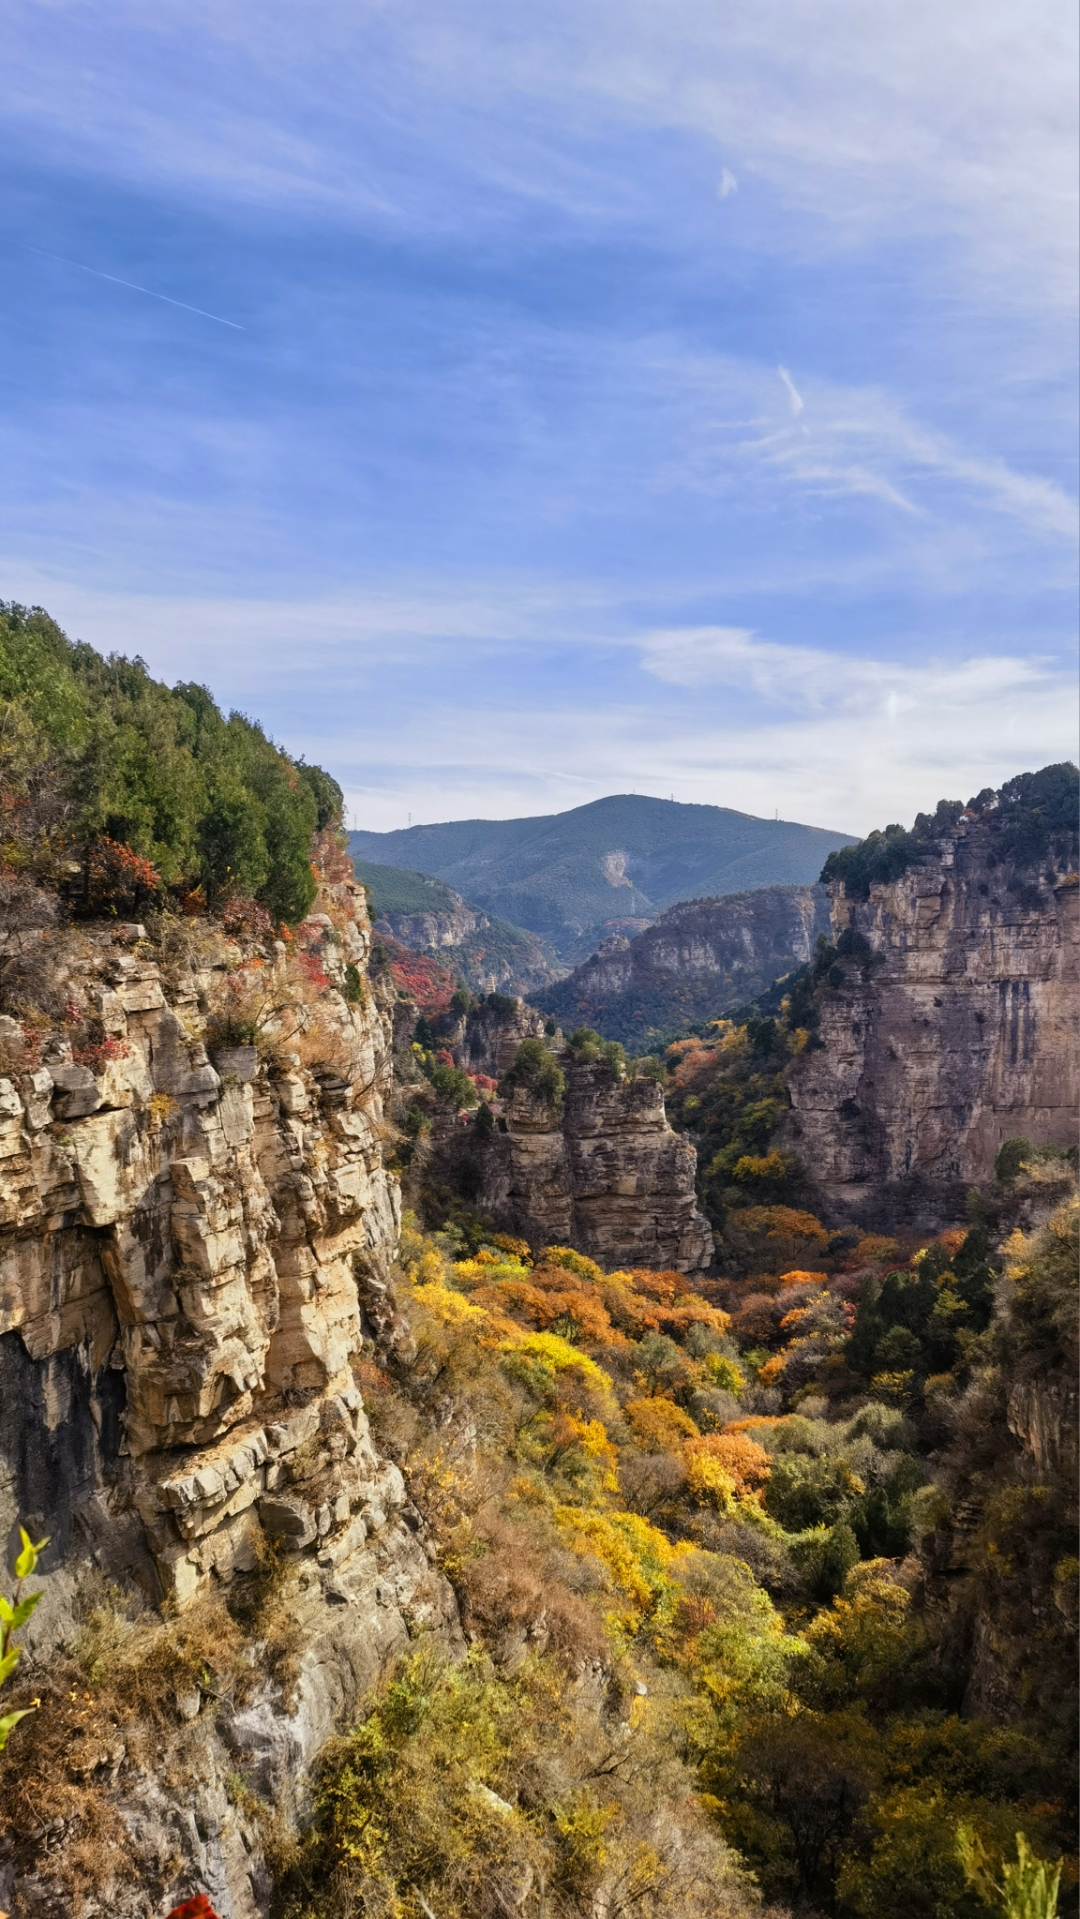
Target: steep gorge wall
{"points": [[193, 1248], [430, 931], [489, 955], [947, 1027], [700, 959]]}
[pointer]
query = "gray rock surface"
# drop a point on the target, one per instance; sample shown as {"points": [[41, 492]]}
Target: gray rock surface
{"points": [[604, 1172], [607, 1175], [699, 960]]}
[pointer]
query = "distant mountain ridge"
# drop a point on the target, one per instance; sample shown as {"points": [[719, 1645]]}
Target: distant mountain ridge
{"points": [[567, 876]]}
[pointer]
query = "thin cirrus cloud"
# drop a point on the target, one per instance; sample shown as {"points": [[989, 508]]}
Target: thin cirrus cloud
{"points": [[849, 439], [819, 680], [795, 398], [923, 120], [571, 352], [884, 748], [718, 714], [873, 743], [862, 420]]}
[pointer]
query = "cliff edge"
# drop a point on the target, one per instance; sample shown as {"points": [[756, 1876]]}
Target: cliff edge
{"points": [[196, 1230], [945, 1022], [701, 959]]}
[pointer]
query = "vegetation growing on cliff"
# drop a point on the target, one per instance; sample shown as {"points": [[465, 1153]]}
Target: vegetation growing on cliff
{"points": [[141, 788], [702, 960], [536, 1070], [726, 1089], [1030, 817], [726, 1565]]}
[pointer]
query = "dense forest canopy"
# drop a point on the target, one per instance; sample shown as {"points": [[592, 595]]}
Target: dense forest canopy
{"points": [[96, 753]]}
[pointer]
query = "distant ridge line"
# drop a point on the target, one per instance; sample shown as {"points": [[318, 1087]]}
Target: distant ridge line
{"points": [[627, 856]]}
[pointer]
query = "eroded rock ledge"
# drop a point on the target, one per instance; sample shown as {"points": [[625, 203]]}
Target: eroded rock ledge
{"points": [[602, 1171]]}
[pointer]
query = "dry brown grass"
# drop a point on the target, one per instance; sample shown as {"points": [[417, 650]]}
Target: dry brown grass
{"points": [[57, 1817], [114, 1710]]}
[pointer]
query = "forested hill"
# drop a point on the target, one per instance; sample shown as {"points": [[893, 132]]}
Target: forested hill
{"points": [[566, 875], [393, 889], [127, 789]]}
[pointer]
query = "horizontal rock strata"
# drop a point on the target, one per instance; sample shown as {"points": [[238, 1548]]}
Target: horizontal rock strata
{"points": [[607, 1176], [700, 959], [194, 1245], [947, 1027]]}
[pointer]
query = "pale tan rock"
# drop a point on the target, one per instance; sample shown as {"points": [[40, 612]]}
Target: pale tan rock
{"points": [[182, 1272], [954, 1032], [111, 1164], [142, 996], [200, 1231], [37, 1091], [605, 1174]]}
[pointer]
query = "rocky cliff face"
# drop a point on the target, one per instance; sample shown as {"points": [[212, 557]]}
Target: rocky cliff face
{"points": [[493, 1032], [603, 1171], [700, 959], [427, 932], [945, 1026], [489, 955], [606, 1175], [195, 1241]]}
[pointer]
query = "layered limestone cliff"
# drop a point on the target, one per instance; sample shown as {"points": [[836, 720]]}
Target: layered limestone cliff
{"points": [[427, 932], [488, 1040], [606, 1174], [601, 1171], [489, 955], [195, 1241], [946, 1026], [700, 959]]}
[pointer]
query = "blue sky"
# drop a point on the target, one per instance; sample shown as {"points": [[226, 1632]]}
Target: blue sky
{"points": [[600, 397]]}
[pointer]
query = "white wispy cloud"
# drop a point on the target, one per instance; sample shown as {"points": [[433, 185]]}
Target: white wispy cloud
{"points": [[826, 766], [833, 439], [405, 698], [870, 424], [820, 681], [852, 761], [931, 140], [930, 120], [794, 396]]}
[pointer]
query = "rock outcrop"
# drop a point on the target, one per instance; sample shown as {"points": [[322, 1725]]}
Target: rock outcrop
{"points": [[427, 932], [699, 960], [606, 1174], [492, 1033], [946, 1026], [422, 914], [602, 1170], [195, 1242], [489, 955]]}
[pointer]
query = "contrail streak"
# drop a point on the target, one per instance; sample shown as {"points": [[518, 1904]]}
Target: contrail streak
{"points": [[96, 271]]}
